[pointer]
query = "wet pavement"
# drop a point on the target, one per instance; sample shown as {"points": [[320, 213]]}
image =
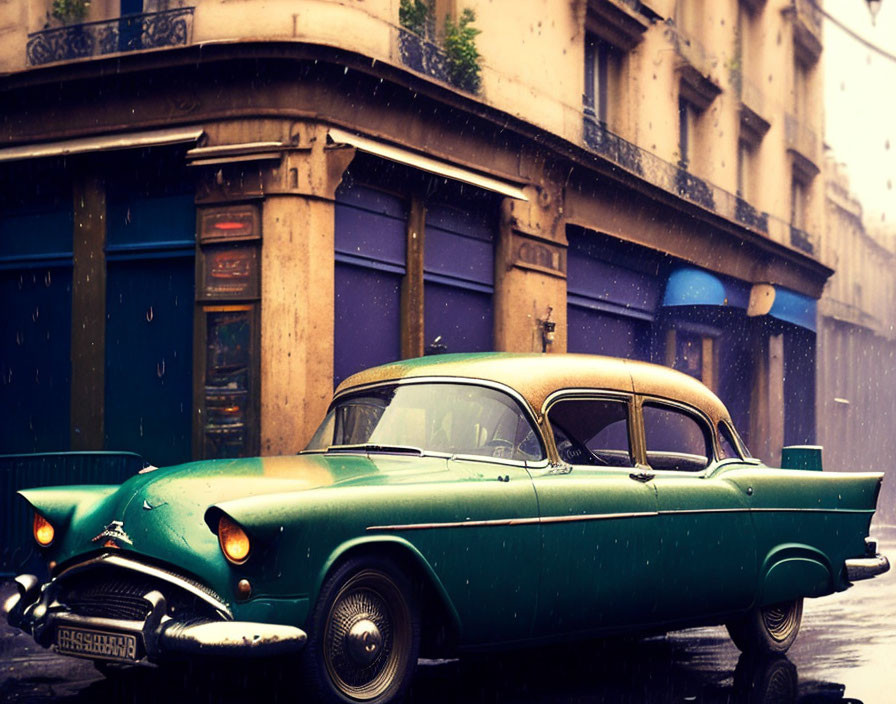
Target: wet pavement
{"points": [[846, 652]]}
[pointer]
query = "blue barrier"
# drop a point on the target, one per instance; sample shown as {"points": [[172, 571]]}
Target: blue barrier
{"points": [[17, 550]]}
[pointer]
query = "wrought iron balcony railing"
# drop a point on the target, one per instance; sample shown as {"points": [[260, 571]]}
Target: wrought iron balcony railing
{"points": [[420, 54], [149, 30], [677, 179]]}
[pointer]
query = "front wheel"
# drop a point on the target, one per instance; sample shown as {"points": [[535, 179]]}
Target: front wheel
{"points": [[365, 634], [769, 629]]}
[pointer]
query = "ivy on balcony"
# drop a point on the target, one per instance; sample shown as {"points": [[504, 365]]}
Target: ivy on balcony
{"points": [[137, 32], [456, 60]]}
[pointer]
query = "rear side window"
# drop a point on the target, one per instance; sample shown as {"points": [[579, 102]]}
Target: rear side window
{"points": [[727, 445], [592, 432], [676, 440]]}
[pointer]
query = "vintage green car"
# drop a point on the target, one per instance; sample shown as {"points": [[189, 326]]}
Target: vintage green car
{"points": [[446, 505]]}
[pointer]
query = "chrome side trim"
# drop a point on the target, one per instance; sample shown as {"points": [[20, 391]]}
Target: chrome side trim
{"points": [[514, 521], [866, 567], [594, 517], [125, 563]]}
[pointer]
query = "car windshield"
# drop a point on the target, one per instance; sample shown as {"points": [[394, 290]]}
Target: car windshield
{"points": [[457, 419]]}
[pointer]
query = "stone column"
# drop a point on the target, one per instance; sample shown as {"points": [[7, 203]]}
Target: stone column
{"points": [[88, 313], [530, 272], [297, 289]]}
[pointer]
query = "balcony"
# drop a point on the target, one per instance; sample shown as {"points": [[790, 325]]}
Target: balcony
{"points": [[801, 240], [806, 18], [151, 30], [677, 180]]}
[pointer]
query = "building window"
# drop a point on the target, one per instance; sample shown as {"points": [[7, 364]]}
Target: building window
{"points": [[601, 68], [798, 204], [687, 122], [745, 154]]}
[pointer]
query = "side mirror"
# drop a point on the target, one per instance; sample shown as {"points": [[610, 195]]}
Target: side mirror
{"points": [[802, 457]]}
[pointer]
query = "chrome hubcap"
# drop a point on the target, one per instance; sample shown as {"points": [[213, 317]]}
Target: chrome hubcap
{"points": [[363, 642]]}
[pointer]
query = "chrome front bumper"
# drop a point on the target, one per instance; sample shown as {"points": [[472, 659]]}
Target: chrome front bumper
{"points": [[34, 610]]}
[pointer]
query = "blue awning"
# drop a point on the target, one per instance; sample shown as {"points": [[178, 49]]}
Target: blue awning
{"points": [[795, 308], [690, 286]]}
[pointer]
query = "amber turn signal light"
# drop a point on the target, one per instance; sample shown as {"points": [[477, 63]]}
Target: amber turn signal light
{"points": [[233, 539], [43, 531]]}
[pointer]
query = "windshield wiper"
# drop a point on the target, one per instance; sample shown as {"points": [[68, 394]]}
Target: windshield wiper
{"points": [[377, 448]]}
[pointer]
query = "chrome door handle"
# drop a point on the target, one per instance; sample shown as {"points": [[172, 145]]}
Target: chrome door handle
{"points": [[642, 476]]}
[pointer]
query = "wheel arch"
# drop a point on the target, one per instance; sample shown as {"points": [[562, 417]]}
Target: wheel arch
{"points": [[435, 603], [795, 570]]}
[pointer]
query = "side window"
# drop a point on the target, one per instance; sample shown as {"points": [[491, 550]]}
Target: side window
{"points": [[726, 443], [676, 440], [592, 431]]}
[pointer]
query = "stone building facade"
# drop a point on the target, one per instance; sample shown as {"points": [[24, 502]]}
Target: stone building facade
{"points": [[213, 211], [857, 340]]}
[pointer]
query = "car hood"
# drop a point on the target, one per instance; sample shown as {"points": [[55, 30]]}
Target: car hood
{"points": [[160, 514]]}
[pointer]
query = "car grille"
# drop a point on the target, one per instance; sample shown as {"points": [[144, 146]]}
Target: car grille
{"points": [[106, 591]]}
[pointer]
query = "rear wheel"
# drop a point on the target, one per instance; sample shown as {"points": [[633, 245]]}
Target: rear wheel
{"points": [[770, 629], [365, 634]]}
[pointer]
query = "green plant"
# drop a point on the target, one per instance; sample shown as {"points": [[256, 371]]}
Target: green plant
{"points": [[70, 11], [461, 54], [413, 15]]}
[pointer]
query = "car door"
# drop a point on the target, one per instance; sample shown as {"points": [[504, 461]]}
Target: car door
{"points": [[706, 532], [599, 535]]}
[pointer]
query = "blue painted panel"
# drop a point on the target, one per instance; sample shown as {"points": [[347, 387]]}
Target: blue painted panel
{"points": [[371, 224], [463, 318], [160, 219], [18, 552], [459, 244], [368, 320], [149, 358], [594, 332], [35, 359], [600, 280], [26, 234]]}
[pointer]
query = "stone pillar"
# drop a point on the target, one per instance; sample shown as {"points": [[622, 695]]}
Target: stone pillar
{"points": [[530, 272], [88, 313], [767, 402], [297, 289]]}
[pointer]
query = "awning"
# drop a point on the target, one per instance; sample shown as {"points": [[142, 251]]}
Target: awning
{"points": [[795, 308], [425, 163], [689, 286], [87, 145]]}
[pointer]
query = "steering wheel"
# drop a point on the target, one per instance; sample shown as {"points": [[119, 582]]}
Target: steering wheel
{"points": [[496, 443]]}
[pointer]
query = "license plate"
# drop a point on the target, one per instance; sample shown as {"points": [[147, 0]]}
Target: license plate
{"points": [[88, 643]]}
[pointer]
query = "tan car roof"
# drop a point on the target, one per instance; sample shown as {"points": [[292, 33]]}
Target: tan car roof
{"points": [[536, 376]]}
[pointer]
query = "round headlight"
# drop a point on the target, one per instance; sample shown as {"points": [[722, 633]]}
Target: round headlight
{"points": [[233, 539], [43, 530]]}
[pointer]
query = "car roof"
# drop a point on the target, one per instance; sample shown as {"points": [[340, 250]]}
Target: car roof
{"points": [[537, 376]]}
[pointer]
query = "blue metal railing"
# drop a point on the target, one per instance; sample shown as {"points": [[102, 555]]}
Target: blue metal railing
{"points": [[17, 550], [149, 30]]}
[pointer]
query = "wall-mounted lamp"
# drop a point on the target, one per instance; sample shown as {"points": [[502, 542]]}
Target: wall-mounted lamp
{"points": [[548, 328]]}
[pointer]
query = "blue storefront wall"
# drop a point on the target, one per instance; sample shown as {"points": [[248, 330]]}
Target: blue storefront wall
{"points": [[370, 244], [610, 306], [35, 327], [458, 274], [149, 324]]}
